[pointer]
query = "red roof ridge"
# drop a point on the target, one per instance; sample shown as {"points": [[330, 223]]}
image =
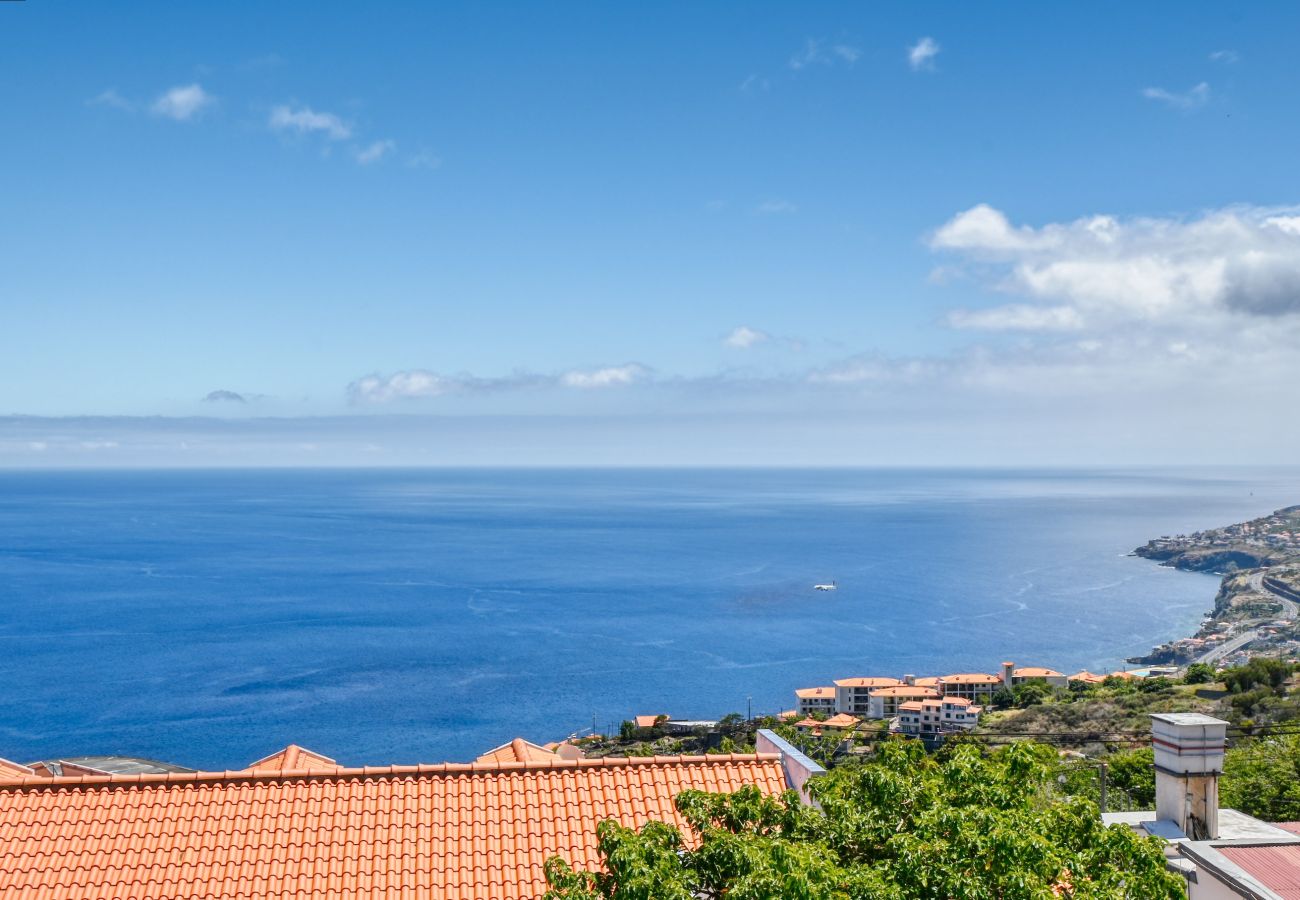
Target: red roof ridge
{"points": [[294, 758], [341, 773]]}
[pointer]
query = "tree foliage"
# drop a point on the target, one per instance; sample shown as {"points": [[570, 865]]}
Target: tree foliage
{"points": [[904, 826], [1262, 778]]}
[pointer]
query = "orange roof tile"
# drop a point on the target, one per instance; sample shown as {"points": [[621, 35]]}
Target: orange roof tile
{"points": [[1036, 672], [843, 720], [956, 701], [518, 750], [1124, 676], [905, 690], [648, 721], [815, 693], [14, 770], [1087, 677], [294, 759], [971, 678], [927, 681], [455, 832], [911, 706]]}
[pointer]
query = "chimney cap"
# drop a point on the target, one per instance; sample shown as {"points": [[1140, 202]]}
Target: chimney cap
{"points": [[1187, 719]]}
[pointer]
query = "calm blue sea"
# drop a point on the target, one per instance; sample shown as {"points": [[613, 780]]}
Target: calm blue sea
{"points": [[209, 618]]}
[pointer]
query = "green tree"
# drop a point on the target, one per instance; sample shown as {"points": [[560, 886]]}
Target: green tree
{"points": [[1199, 673], [1261, 778], [904, 826], [1031, 693]]}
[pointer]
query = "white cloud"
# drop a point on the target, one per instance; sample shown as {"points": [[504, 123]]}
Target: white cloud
{"points": [[401, 386], [416, 384], [1102, 272], [1227, 57], [775, 207], [816, 52], [113, 99], [1192, 98], [375, 151], [305, 120], [1018, 317], [611, 376], [920, 56], [182, 103], [744, 337]]}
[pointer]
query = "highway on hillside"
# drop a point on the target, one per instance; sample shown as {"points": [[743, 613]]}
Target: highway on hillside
{"points": [[1289, 612], [1289, 607]]}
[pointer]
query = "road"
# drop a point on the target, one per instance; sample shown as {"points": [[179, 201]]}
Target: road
{"points": [[1289, 607], [1290, 611]]}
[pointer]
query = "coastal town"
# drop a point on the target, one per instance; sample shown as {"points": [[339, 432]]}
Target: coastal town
{"points": [[1257, 609]]}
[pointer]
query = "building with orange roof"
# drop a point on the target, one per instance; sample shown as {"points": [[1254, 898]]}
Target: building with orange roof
{"points": [[937, 716], [884, 702], [1086, 677], [649, 721], [449, 831], [975, 686], [853, 695], [816, 700], [1123, 676], [1013, 676]]}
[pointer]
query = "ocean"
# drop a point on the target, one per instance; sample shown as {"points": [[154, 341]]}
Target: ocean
{"points": [[208, 618]]}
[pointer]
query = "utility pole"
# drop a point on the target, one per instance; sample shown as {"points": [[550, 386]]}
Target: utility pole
{"points": [[593, 723], [749, 709], [1103, 787]]}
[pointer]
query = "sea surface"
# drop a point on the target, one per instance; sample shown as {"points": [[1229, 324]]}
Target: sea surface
{"points": [[209, 618]]}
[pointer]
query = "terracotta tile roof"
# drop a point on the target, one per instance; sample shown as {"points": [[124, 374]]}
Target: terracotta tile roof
{"points": [[1035, 672], [927, 681], [294, 759], [518, 750], [452, 832], [956, 701], [1127, 676], [14, 770], [905, 690], [1277, 866], [1087, 677], [815, 693], [843, 720], [971, 678], [867, 682], [911, 706], [648, 721]]}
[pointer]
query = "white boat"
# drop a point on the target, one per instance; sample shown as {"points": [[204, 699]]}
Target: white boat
{"points": [[825, 587]]}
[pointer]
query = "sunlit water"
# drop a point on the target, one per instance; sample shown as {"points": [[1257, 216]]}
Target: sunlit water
{"points": [[209, 618]]}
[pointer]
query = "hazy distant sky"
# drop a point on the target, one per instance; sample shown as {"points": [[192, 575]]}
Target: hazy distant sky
{"points": [[788, 233]]}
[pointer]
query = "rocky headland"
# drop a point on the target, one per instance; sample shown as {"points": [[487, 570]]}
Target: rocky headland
{"points": [[1255, 610]]}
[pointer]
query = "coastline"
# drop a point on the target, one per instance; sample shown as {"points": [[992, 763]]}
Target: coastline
{"points": [[1256, 610]]}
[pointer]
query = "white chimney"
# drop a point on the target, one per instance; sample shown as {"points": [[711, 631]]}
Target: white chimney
{"points": [[1189, 760]]}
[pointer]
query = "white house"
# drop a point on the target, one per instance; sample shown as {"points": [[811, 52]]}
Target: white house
{"points": [[853, 695], [922, 718], [883, 702], [978, 687], [816, 699]]}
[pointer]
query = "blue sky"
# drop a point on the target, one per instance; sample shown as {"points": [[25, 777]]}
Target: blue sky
{"points": [[931, 233]]}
